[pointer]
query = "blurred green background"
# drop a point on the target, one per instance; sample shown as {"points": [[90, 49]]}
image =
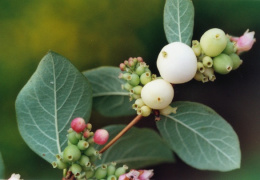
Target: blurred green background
{"points": [[96, 33]]}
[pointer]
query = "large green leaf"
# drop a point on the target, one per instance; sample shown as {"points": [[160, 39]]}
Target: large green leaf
{"points": [[179, 20], [137, 148], [109, 98], [201, 137], [55, 94], [2, 167]]}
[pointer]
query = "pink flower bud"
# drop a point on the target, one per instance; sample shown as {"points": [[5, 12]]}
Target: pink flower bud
{"points": [[137, 175], [78, 124], [101, 136], [244, 42], [140, 59], [122, 66]]}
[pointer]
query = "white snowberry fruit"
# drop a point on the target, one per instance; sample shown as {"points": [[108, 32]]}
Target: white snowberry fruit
{"points": [[177, 63], [157, 94]]}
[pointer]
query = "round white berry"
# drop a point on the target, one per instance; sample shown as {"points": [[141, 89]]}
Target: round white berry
{"points": [[157, 94], [177, 63]]}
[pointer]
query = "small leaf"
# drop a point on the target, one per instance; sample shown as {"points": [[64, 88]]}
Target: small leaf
{"points": [[55, 94], [201, 137], [2, 167], [109, 99], [179, 20], [137, 148]]}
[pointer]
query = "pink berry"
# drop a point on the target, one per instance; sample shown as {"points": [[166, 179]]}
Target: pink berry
{"points": [[78, 124], [101, 136]]}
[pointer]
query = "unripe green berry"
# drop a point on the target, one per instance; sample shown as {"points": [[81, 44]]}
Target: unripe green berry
{"points": [[139, 103], [83, 145], [134, 96], [136, 90], [112, 177], [140, 70], [126, 76], [144, 111], [71, 153], [84, 160], [213, 42], [222, 64], [133, 80], [157, 94], [121, 170], [90, 151], [209, 72], [200, 67], [196, 47], [127, 86], [168, 110], [236, 60], [230, 48], [207, 61], [60, 164], [72, 137], [111, 169], [200, 77], [76, 169], [89, 173], [146, 78], [101, 172]]}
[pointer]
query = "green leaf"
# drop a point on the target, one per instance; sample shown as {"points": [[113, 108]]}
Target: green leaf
{"points": [[179, 20], [2, 167], [201, 137], [55, 94], [137, 148], [109, 99]]}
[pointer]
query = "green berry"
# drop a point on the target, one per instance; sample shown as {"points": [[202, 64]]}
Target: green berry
{"points": [[76, 169], [230, 48], [168, 110], [146, 78], [101, 172], [222, 64], [127, 86], [60, 164], [200, 77], [196, 47], [207, 61], [136, 90], [73, 138], [209, 72], [84, 160], [83, 145], [236, 60], [213, 42], [90, 151], [140, 70], [89, 173], [144, 111], [200, 67], [133, 80], [121, 170], [111, 169], [71, 153]]}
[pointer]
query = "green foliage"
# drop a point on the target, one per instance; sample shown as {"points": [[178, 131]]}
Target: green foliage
{"points": [[2, 167], [109, 99], [55, 94], [137, 148], [201, 137], [179, 20]]}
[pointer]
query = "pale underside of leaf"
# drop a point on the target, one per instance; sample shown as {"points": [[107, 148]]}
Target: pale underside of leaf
{"points": [[201, 137], [55, 94], [109, 98], [137, 148], [179, 20]]}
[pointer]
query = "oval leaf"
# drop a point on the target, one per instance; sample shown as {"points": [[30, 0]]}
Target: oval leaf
{"points": [[55, 94], [201, 137], [179, 20], [2, 167], [109, 99], [137, 148]]}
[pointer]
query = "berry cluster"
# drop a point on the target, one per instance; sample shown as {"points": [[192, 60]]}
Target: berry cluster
{"points": [[77, 159], [150, 92], [216, 52]]}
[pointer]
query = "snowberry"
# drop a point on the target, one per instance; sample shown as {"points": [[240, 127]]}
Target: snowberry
{"points": [[222, 64], [213, 42], [101, 136], [157, 94], [78, 124], [177, 63]]}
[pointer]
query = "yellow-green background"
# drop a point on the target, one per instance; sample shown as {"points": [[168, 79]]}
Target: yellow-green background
{"points": [[95, 33]]}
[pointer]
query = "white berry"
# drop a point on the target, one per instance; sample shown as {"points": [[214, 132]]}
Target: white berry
{"points": [[177, 63], [157, 94]]}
